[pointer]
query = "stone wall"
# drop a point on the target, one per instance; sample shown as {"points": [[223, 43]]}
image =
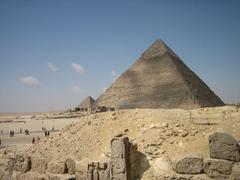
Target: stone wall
{"points": [[122, 165]]}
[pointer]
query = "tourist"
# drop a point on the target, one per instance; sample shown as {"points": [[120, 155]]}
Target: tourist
{"points": [[38, 138], [20, 130], [0, 142], [33, 140]]}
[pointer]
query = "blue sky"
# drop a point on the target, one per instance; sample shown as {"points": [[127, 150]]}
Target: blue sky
{"points": [[55, 53]]}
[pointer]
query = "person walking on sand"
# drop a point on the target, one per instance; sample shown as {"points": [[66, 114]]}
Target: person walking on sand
{"points": [[33, 140], [0, 142], [38, 138]]}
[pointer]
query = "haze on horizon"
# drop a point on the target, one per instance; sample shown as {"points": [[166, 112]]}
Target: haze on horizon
{"points": [[55, 53]]}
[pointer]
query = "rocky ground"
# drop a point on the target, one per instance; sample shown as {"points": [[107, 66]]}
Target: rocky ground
{"points": [[160, 135]]}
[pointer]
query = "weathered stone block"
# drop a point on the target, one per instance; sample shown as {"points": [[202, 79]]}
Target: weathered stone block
{"points": [[81, 176], [188, 165], [60, 176], [223, 146], [39, 163], [26, 166], [120, 161], [71, 166], [217, 168], [235, 172], [32, 175], [57, 167]]}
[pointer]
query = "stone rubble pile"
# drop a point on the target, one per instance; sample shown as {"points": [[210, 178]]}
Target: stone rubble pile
{"points": [[222, 164], [121, 165]]}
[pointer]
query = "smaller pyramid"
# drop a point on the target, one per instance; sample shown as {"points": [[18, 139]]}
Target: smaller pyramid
{"points": [[86, 104]]}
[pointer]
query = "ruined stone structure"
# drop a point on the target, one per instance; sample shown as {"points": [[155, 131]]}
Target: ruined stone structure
{"points": [[120, 159], [222, 164], [158, 79]]}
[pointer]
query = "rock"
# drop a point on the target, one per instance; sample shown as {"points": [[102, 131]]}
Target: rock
{"points": [[161, 166], [188, 165], [60, 176], [39, 163], [223, 146], [120, 163], [80, 176], [26, 165], [32, 175], [201, 177], [100, 109], [179, 177], [96, 170], [57, 167], [71, 166], [217, 168], [235, 172]]}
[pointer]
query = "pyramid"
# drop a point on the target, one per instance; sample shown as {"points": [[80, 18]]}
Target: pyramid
{"points": [[87, 103], [158, 79]]}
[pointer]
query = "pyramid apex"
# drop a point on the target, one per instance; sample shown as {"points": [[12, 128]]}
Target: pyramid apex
{"points": [[158, 48]]}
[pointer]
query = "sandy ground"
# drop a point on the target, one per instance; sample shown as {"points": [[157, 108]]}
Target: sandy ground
{"points": [[161, 135], [16, 122]]}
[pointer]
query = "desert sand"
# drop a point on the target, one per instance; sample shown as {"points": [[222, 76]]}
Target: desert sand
{"points": [[161, 135]]}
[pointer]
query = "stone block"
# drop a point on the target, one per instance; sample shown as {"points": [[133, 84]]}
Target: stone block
{"points": [[120, 160], [188, 165], [223, 146], [39, 163], [57, 167], [71, 166], [218, 168]]}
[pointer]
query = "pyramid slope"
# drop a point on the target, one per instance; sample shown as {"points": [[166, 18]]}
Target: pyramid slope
{"points": [[158, 79], [87, 102]]}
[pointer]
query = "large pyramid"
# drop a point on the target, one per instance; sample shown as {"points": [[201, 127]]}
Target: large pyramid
{"points": [[158, 79]]}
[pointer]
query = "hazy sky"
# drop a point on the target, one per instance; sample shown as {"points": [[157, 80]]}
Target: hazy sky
{"points": [[55, 53]]}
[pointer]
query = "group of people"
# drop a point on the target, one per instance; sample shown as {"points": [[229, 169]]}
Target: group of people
{"points": [[35, 140], [47, 133], [12, 133]]}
